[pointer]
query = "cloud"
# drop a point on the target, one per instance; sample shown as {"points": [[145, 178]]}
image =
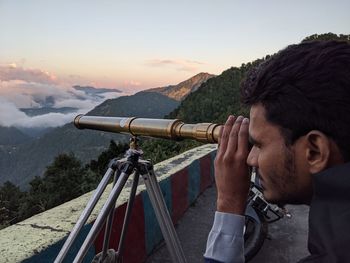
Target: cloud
{"points": [[10, 115], [23, 88], [47, 120], [132, 83], [180, 65], [30, 94], [14, 72]]}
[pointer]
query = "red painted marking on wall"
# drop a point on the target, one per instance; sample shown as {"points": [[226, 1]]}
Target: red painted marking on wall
{"points": [[179, 192], [134, 248], [206, 180]]}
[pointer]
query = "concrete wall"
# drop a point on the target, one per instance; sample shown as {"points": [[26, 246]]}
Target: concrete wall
{"points": [[181, 179]]}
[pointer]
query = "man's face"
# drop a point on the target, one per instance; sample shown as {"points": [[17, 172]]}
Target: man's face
{"points": [[282, 169]]}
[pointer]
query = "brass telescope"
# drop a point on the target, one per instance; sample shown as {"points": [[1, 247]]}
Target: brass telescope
{"points": [[159, 128]]}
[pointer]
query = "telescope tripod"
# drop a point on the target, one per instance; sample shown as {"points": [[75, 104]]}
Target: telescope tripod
{"points": [[122, 170]]}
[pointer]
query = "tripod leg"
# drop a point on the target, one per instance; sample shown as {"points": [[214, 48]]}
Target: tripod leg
{"points": [[109, 223], [128, 214], [163, 217], [84, 216], [125, 223], [97, 226]]}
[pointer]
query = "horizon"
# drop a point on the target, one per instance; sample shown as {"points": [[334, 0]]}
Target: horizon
{"points": [[48, 47]]}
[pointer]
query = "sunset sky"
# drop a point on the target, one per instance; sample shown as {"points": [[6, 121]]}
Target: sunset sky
{"points": [[145, 44], [46, 47]]}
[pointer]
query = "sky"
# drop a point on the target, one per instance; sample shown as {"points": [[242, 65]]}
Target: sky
{"points": [[135, 45]]}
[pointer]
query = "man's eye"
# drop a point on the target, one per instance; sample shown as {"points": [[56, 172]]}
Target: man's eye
{"points": [[257, 145], [250, 146]]}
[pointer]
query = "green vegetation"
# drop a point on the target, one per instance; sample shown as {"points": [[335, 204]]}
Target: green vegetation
{"points": [[327, 36], [66, 178], [158, 150], [10, 200], [215, 100], [12, 136], [141, 104]]}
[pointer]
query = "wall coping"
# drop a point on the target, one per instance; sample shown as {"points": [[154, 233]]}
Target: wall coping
{"points": [[33, 235]]}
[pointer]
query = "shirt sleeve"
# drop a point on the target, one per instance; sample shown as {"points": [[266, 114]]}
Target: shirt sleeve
{"points": [[225, 241]]}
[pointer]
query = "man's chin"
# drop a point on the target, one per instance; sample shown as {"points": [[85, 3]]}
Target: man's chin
{"points": [[273, 198], [268, 196], [280, 200]]}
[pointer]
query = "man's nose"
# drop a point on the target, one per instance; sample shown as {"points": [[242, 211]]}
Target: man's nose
{"points": [[252, 159]]}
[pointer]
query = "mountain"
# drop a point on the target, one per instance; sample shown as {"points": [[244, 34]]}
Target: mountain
{"points": [[46, 104], [45, 110], [12, 136], [327, 36], [46, 101], [180, 91], [215, 100], [93, 91], [141, 104], [35, 132], [19, 164]]}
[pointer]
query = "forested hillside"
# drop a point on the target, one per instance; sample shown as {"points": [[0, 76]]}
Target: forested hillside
{"points": [[219, 96], [12, 136], [180, 91], [215, 100], [141, 104], [21, 163]]}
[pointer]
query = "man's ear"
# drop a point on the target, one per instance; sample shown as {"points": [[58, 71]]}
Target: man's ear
{"points": [[318, 150]]}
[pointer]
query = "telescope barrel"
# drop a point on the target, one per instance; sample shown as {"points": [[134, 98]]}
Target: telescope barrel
{"points": [[160, 128]]}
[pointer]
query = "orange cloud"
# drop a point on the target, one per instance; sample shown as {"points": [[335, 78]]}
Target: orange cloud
{"points": [[14, 72], [132, 83]]}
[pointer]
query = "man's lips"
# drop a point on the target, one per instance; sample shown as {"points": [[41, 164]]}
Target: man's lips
{"points": [[260, 180]]}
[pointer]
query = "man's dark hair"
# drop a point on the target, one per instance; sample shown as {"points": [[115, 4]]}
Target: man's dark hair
{"points": [[305, 87]]}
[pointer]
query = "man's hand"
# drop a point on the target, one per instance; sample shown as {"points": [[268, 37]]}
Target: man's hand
{"points": [[231, 170]]}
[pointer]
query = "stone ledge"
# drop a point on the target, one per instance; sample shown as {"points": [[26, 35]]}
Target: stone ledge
{"points": [[31, 237]]}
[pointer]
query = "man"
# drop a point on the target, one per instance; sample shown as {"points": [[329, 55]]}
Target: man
{"points": [[299, 128]]}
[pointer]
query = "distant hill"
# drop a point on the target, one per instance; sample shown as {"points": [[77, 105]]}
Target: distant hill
{"points": [[45, 110], [12, 136], [215, 100], [180, 91], [21, 163], [35, 132], [141, 104], [93, 90]]}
